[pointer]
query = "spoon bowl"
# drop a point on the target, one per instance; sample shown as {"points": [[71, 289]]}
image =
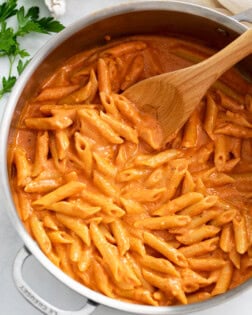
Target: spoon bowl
{"points": [[172, 97]]}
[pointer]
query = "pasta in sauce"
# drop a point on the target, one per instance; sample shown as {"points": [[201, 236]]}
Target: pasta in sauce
{"points": [[116, 209]]}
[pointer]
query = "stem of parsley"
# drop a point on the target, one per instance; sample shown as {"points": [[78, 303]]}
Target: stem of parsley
{"points": [[28, 21], [11, 62]]}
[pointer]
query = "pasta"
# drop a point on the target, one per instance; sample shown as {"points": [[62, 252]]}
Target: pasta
{"points": [[115, 207]]}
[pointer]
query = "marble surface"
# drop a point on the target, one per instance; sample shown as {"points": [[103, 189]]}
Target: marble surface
{"points": [[11, 302]]}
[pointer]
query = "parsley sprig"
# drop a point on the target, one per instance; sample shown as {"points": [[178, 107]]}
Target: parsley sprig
{"points": [[28, 21]]}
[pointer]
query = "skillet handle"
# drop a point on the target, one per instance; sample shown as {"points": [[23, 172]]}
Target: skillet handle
{"points": [[244, 16], [34, 299]]}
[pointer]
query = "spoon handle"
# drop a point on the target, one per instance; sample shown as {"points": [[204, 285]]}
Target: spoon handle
{"points": [[205, 73], [231, 54]]}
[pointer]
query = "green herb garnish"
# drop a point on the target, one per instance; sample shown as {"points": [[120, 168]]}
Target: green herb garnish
{"points": [[28, 21]]}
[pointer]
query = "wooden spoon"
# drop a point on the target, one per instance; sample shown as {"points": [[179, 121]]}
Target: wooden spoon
{"points": [[236, 6], [172, 97]]}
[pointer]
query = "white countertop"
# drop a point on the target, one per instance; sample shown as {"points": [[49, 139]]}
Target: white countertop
{"points": [[11, 302]]}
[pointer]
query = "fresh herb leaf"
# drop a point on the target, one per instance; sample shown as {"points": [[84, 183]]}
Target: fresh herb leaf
{"points": [[8, 43], [33, 13], [23, 53], [21, 65], [7, 84], [28, 21], [8, 9], [49, 25]]}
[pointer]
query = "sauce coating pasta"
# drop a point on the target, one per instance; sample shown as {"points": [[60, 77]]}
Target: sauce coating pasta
{"points": [[112, 205]]}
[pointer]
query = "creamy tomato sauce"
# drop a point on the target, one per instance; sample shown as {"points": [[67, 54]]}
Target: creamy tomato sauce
{"points": [[116, 208]]}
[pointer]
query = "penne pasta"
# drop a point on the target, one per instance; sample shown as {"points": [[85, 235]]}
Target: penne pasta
{"points": [[117, 206], [166, 284], [75, 249], [60, 237], [188, 183], [43, 185], [179, 203], [158, 264], [198, 234], [23, 167], [104, 166], [234, 131], [229, 102], [40, 234], [105, 185], [210, 116], [25, 206], [59, 194], [139, 295], [240, 234], [51, 222], [157, 160], [75, 225], [76, 208], [201, 248], [102, 280], [121, 237], [137, 245], [226, 238], [55, 93], [94, 119], [190, 286], [163, 223], [109, 252], [42, 148], [206, 264], [124, 48], [103, 77], [224, 280], [83, 94], [121, 128], [64, 260], [48, 123], [200, 206], [220, 153], [198, 297], [164, 248], [132, 206], [106, 203], [85, 259], [134, 72], [191, 131]]}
